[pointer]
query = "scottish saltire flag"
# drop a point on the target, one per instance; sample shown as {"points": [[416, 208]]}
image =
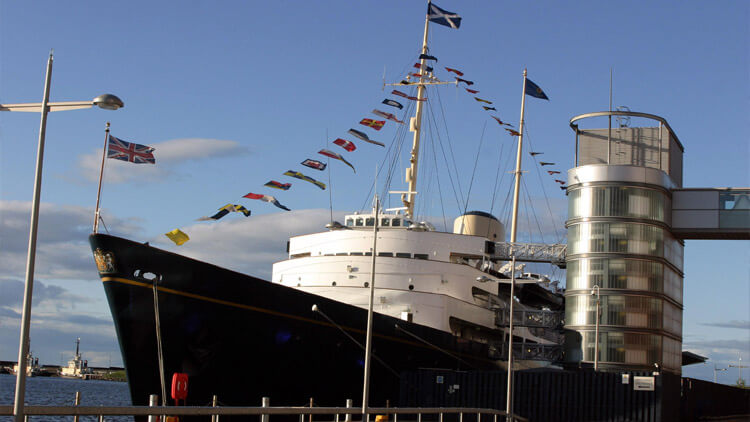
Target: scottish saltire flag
{"points": [[443, 17], [177, 236], [298, 175], [534, 90], [130, 152], [314, 164], [393, 103]]}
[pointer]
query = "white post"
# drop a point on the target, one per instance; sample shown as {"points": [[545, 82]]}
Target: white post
{"points": [[265, 402], [18, 412], [368, 342], [348, 417], [509, 391], [101, 175], [153, 401]]}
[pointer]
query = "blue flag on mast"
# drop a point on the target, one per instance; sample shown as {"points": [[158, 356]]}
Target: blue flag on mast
{"points": [[443, 17], [534, 90]]}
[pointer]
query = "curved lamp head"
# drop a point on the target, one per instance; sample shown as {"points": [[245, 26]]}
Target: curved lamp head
{"points": [[108, 102]]}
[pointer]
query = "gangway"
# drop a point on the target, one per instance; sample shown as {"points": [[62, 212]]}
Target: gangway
{"points": [[531, 252]]}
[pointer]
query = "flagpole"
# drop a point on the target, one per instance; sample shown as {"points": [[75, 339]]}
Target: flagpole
{"points": [[517, 187], [368, 339], [101, 174], [415, 126], [513, 231]]}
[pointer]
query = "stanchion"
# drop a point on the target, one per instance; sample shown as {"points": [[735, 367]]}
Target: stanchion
{"points": [[265, 402]]}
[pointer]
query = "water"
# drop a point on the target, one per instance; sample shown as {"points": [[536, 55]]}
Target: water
{"points": [[54, 391]]}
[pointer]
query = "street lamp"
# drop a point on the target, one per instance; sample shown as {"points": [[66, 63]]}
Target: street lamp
{"points": [[106, 101], [595, 292]]}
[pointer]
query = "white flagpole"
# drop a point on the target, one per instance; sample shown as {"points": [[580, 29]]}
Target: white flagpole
{"points": [[368, 341], [513, 231], [101, 174]]}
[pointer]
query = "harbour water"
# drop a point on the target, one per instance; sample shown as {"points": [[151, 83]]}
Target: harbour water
{"points": [[54, 391]]}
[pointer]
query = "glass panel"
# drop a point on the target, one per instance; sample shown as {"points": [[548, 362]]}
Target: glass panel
{"points": [[619, 201], [617, 310], [396, 222], [360, 222], [623, 347], [370, 221], [385, 222], [630, 238], [349, 222]]}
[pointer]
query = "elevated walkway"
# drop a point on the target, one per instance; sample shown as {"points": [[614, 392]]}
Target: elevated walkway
{"points": [[711, 213]]}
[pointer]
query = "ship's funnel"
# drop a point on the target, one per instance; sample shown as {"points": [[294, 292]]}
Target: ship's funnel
{"points": [[478, 223]]}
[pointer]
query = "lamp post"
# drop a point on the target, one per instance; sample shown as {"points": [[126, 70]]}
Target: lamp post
{"points": [[595, 292], [106, 101]]}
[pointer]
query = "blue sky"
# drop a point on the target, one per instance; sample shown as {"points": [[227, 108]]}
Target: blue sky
{"points": [[233, 94]]}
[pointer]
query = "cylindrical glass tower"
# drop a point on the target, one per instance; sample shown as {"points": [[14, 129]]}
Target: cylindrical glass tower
{"points": [[620, 239]]}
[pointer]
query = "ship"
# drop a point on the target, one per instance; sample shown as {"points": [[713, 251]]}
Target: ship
{"points": [[437, 297], [77, 367]]}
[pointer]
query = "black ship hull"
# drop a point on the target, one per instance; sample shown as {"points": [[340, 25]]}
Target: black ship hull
{"points": [[242, 338]]}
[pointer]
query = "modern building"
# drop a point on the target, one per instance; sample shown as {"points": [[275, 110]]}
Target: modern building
{"points": [[627, 217]]}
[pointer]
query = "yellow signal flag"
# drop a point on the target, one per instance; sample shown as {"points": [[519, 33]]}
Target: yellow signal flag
{"points": [[177, 236]]}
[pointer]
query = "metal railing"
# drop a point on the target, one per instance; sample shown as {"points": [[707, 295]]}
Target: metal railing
{"points": [[530, 318], [527, 351], [531, 252], [266, 413]]}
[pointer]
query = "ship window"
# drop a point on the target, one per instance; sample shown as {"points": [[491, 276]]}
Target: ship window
{"points": [[396, 222], [359, 222], [407, 223], [301, 255], [349, 222], [356, 254], [368, 253], [385, 222], [421, 256], [341, 254], [369, 221], [403, 255], [328, 254], [385, 253]]}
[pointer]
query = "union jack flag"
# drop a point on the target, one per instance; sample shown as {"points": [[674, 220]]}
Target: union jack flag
{"points": [[131, 152]]}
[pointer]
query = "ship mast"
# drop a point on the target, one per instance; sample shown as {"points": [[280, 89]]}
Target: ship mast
{"points": [[517, 187], [415, 125]]}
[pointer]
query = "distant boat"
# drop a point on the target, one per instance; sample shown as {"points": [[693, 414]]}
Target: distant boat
{"points": [[77, 367], [32, 366]]}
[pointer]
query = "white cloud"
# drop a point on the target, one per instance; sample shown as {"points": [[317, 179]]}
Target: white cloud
{"points": [[62, 247], [167, 153]]}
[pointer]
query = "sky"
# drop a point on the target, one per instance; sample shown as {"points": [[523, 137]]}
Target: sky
{"points": [[232, 94]]}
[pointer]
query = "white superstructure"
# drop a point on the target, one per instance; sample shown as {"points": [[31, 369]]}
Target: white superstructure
{"points": [[446, 281]]}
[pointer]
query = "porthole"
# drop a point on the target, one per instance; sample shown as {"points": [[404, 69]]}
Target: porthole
{"points": [[367, 284], [333, 284], [411, 287]]}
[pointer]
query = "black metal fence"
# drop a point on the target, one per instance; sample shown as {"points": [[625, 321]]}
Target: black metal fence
{"points": [[555, 395]]}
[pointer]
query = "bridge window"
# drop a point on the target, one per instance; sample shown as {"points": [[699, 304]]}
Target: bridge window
{"points": [[403, 255], [396, 222], [421, 256], [349, 222], [370, 221], [385, 253], [385, 222], [359, 222]]}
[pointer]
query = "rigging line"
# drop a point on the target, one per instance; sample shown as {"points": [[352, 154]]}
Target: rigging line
{"points": [[506, 209], [440, 190], [474, 172], [559, 234], [316, 309], [450, 144], [497, 177], [533, 211], [394, 141], [330, 187], [435, 347], [450, 176]]}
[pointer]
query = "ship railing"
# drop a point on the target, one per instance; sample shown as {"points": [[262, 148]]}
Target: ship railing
{"points": [[527, 351], [530, 318], [531, 252], [266, 414]]}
